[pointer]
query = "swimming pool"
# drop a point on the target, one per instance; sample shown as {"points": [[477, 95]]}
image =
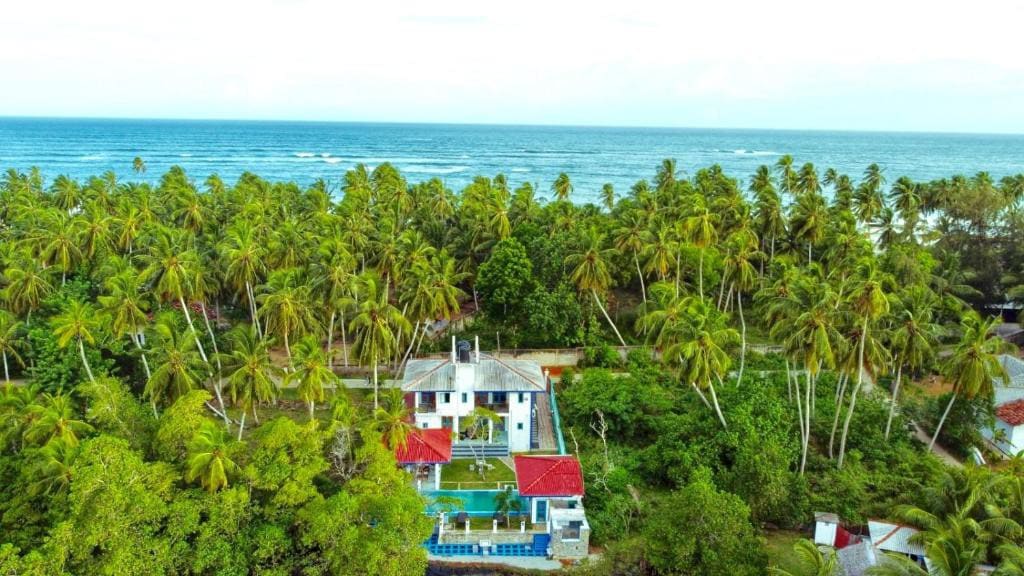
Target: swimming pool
{"points": [[472, 502]]}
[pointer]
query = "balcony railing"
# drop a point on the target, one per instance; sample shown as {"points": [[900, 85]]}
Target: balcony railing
{"points": [[423, 407]]}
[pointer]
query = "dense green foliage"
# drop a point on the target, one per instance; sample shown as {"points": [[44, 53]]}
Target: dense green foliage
{"points": [[147, 326]]}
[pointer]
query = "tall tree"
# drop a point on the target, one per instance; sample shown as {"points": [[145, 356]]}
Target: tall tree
{"points": [[377, 326], [78, 323], [590, 271]]}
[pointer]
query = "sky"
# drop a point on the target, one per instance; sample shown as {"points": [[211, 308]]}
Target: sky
{"points": [[899, 65]]}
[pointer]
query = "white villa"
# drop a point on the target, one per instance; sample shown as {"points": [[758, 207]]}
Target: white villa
{"points": [[1007, 432], [443, 391]]}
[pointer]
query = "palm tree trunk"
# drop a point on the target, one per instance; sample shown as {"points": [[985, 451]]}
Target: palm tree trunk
{"points": [[330, 339], [287, 351], [7, 373], [895, 396], [743, 337], [679, 257], [702, 396], [607, 317], [376, 404], [700, 276], [344, 340], [255, 416], [192, 329], [841, 393], [721, 289], [241, 426], [412, 341], [789, 382], [931, 445], [808, 407], [85, 362], [853, 395], [252, 309], [718, 409], [145, 362], [800, 420], [218, 383], [311, 405], [643, 287]]}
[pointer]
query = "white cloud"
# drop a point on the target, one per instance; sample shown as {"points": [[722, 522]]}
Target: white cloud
{"points": [[637, 62]]}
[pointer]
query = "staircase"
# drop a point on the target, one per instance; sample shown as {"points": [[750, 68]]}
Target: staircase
{"points": [[534, 434], [540, 544], [485, 450]]}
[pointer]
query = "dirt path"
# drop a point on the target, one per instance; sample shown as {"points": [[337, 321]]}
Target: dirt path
{"points": [[938, 450]]}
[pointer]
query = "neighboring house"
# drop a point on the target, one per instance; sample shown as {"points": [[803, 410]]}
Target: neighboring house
{"points": [[857, 558], [1007, 432], [444, 391], [424, 453], [888, 537]]}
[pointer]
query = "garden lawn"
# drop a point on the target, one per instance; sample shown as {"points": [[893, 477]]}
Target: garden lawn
{"points": [[779, 544], [458, 472]]}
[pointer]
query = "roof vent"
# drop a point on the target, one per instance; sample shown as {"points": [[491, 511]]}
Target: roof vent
{"points": [[464, 352]]}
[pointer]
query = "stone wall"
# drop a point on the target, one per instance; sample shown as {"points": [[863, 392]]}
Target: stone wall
{"points": [[574, 548]]}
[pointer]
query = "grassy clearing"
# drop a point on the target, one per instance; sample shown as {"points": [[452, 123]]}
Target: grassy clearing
{"points": [[458, 472], [779, 544]]}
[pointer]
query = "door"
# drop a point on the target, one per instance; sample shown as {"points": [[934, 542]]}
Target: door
{"points": [[542, 512]]}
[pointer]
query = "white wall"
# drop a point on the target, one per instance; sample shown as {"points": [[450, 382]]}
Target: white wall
{"points": [[1014, 437], [519, 413]]}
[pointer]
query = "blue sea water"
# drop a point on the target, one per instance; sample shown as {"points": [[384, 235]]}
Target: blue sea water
{"points": [[305, 151]]}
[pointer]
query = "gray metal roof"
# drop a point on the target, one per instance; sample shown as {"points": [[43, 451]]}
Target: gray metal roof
{"points": [[490, 374], [855, 559], [894, 538], [1014, 369]]}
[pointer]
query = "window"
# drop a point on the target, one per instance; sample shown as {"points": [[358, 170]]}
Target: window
{"points": [[465, 398], [519, 426], [499, 398], [522, 397], [446, 397], [424, 425]]}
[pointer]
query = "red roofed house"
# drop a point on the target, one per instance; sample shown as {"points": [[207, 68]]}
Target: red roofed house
{"points": [[424, 452], [553, 486], [1008, 432]]}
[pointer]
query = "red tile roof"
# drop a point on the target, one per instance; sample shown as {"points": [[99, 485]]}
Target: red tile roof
{"points": [[549, 476], [430, 446], [1012, 412]]}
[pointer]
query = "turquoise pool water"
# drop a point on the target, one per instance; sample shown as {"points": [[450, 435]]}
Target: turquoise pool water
{"points": [[472, 502]]}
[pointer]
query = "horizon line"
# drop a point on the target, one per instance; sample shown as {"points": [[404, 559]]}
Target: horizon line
{"points": [[502, 124]]}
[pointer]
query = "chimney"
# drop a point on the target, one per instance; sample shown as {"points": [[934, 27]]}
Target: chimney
{"points": [[477, 349], [454, 358]]}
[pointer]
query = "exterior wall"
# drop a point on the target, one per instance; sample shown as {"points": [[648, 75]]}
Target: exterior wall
{"points": [[1014, 437], [574, 548], [519, 413], [824, 533], [458, 535], [557, 502]]}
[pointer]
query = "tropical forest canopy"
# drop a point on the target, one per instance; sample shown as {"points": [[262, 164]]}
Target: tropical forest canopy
{"points": [[172, 352]]}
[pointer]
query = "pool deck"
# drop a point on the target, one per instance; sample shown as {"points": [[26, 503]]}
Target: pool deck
{"points": [[526, 563]]}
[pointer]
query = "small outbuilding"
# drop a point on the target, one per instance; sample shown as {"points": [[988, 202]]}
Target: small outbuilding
{"points": [[424, 452]]}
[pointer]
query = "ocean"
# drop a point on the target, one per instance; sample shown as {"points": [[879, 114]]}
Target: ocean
{"points": [[592, 156]]}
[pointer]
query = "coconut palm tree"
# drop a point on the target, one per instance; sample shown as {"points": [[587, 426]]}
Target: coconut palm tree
{"points": [[311, 373], [590, 271], [77, 322], [477, 426], [170, 268], [286, 307], [562, 187], [608, 196], [507, 503], [209, 459], [9, 328], [244, 255], [701, 229], [699, 344], [377, 326], [178, 366], [393, 420], [974, 364], [914, 337], [139, 165], [53, 466], [250, 374], [632, 236], [53, 418], [125, 308], [739, 266], [58, 243], [27, 285], [868, 302]]}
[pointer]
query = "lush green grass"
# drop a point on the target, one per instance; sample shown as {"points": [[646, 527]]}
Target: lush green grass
{"points": [[458, 472], [779, 544]]}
